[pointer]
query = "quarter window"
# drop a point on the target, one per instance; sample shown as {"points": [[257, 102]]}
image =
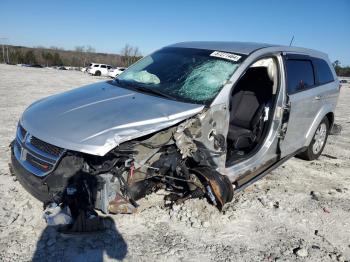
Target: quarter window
{"points": [[323, 72], [300, 75]]}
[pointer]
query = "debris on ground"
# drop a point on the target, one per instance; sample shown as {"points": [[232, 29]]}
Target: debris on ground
{"points": [[301, 252], [336, 129], [315, 195]]}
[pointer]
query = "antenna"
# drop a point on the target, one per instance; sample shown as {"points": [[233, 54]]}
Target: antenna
{"points": [[291, 41]]}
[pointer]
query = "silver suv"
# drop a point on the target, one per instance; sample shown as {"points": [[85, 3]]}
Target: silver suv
{"points": [[199, 119]]}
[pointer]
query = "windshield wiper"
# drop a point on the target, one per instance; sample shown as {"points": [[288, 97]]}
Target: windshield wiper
{"points": [[117, 81], [155, 92]]}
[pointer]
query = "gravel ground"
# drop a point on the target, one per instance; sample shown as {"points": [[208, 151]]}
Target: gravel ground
{"points": [[299, 212]]}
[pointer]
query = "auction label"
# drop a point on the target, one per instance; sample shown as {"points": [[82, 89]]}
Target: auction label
{"points": [[228, 56]]}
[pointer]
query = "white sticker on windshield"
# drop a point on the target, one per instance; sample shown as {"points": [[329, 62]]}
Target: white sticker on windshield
{"points": [[229, 56]]}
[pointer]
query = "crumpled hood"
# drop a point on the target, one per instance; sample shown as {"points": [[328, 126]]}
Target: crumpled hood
{"points": [[96, 118]]}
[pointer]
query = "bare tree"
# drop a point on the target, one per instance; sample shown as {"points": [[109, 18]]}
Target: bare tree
{"points": [[3, 39], [89, 50], [130, 54], [47, 56], [57, 48], [80, 51], [336, 63]]}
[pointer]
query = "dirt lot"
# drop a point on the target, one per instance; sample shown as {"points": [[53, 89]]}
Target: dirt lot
{"points": [[278, 218]]}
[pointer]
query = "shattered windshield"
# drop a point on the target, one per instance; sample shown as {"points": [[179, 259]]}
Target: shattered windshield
{"points": [[183, 74]]}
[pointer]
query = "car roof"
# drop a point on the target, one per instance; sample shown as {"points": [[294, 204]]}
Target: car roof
{"points": [[245, 48]]}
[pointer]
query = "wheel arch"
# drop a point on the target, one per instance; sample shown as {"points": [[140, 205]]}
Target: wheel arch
{"points": [[326, 111], [330, 116]]}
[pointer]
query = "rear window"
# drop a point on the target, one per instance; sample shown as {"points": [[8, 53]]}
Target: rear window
{"points": [[300, 75], [323, 72]]}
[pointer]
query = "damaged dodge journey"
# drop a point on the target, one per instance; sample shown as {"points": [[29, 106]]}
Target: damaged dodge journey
{"points": [[197, 119]]}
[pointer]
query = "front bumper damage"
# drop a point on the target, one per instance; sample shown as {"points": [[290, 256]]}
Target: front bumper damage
{"points": [[181, 159]]}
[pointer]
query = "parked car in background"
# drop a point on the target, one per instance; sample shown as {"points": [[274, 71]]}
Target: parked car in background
{"points": [[98, 69], [343, 81], [114, 72], [36, 66]]}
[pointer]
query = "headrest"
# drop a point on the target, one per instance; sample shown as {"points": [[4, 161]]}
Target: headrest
{"points": [[269, 64], [272, 71]]}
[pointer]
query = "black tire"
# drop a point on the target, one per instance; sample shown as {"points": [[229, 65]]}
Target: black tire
{"points": [[97, 73], [311, 153], [220, 186]]}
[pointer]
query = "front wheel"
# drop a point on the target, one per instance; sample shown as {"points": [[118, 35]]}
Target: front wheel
{"points": [[318, 141]]}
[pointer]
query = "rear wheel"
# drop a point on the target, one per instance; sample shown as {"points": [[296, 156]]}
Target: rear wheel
{"points": [[97, 73], [318, 142]]}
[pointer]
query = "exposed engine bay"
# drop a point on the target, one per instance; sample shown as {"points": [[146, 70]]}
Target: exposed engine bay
{"points": [[180, 159]]}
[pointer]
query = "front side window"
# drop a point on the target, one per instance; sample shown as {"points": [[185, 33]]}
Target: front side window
{"points": [[103, 66], [184, 74], [300, 75]]}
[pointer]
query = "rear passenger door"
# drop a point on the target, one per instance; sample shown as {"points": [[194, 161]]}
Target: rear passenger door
{"points": [[303, 100], [326, 87]]}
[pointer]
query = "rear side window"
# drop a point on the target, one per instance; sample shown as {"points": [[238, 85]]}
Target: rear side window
{"points": [[300, 75], [323, 72]]}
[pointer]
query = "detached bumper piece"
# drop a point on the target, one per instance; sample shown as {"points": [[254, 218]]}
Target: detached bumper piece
{"points": [[219, 189]]}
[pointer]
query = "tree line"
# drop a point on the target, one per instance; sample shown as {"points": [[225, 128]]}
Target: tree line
{"points": [[81, 56], [341, 71]]}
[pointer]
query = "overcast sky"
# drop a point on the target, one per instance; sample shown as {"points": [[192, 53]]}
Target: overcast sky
{"points": [[109, 25]]}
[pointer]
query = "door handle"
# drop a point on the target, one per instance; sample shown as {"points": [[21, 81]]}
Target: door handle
{"points": [[317, 97]]}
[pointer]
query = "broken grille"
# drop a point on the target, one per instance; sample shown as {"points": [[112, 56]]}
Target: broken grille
{"points": [[46, 147], [37, 156], [39, 164]]}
